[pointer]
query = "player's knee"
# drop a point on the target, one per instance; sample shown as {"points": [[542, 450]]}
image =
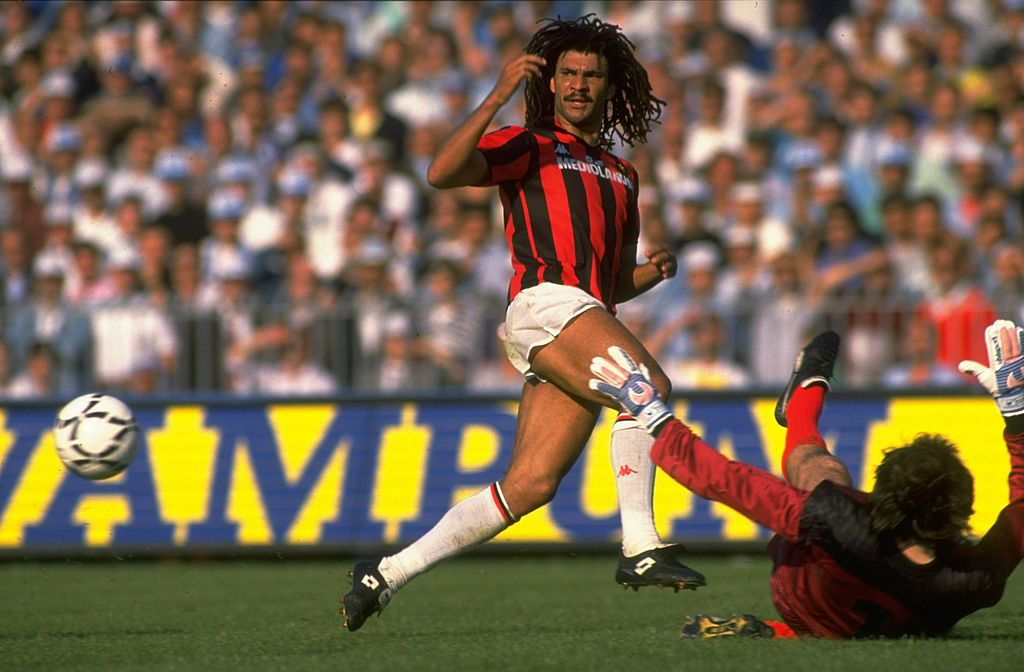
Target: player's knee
{"points": [[835, 470], [527, 494], [816, 467]]}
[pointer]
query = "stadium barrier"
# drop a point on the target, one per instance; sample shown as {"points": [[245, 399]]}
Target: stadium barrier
{"points": [[247, 475]]}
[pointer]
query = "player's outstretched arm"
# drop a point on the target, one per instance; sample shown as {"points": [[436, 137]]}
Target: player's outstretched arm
{"points": [[760, 496], [458, 163], [636, 279], [1004, 380]]}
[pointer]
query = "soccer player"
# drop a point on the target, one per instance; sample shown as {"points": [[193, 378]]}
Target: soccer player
{"points": [[571, 221], [890, 562]]}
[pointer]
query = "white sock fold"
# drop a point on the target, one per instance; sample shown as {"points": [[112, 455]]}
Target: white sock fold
{"points": [[469, 523], [634, 483]]}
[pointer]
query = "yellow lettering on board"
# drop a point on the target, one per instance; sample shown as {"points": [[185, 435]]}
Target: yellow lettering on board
{"points": [[401, 470], [100, 514], [182, 455], [298, 430], [35, 490], [245, 504], [973, 425]]}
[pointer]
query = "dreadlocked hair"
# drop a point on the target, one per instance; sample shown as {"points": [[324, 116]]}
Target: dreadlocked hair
{"points": [[632, 106], [922, 492]]}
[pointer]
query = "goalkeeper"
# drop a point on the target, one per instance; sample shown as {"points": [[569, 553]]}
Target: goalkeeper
{"points": [[894, 561]]}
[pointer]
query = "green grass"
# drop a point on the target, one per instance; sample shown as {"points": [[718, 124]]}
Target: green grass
{"points": [[478, 613]]}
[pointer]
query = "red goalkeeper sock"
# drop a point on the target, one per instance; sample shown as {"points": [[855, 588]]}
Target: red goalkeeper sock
{"points": [[802, 415], [782, 631]]}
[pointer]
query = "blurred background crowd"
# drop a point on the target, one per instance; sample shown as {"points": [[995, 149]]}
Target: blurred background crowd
{"points": [[231, 196]]}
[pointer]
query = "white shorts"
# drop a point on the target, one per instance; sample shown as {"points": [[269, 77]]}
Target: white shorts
{"points": [[537, 315]]}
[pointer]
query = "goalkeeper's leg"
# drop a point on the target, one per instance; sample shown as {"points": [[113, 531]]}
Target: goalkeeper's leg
{"points": [[807, 461]]}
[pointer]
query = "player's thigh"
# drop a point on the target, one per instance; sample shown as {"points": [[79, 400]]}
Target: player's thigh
{"points": [[566, 360], [553, 428]]}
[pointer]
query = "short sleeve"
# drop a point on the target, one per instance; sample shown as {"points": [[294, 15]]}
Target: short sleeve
{"points": [[509, 152]]}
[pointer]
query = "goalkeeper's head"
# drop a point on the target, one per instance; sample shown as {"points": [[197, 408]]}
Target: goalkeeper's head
{"points": [[923, 492]]}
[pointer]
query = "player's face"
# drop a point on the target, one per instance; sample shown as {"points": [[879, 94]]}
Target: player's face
{"points": [[581, 87]]}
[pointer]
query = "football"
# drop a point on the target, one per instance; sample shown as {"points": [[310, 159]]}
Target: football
{"points": [[95, 435]]}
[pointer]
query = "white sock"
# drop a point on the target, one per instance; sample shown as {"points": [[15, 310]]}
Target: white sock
{"points": [[469, 523], [634, 482]]}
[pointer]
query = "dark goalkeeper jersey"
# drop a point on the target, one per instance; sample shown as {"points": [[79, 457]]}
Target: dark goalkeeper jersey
{"points": [[832, 577], [569, 207]]}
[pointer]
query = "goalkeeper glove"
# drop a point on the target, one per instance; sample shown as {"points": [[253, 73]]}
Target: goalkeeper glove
{"points": [[1004, 376], [629, 384]]}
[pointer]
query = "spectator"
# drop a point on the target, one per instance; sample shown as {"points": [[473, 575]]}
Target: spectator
{"points": [[368, 299], [181, 217], [24, 212], [686, 219], [846, 254], [707, 367], [131, 337], [197, 325], [48, 318], [293, 373], [92, 222], [711, 133], [1006, 280], [87, 285], [134, 177], [670, 335], [772, 236], [369, 120], [15, 278], [59, 183], [119, 106], [908, 257], [783, 314], [916, 366], [956, 307], [327, 204], [40, 375], [448, 323], [225, 211], [154, 263]]}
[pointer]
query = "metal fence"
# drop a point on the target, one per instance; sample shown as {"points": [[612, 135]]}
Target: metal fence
{"points": [[365, 348]]}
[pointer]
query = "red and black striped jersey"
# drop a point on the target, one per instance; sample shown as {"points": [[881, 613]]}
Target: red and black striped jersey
{"points": [[569, 207]]}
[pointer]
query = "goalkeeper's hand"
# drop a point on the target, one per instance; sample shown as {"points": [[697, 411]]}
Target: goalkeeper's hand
{"points": [[629, 384], [1004, 375]]}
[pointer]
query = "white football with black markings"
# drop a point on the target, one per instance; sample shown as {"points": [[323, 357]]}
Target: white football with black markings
{"points": [[95, 435]]}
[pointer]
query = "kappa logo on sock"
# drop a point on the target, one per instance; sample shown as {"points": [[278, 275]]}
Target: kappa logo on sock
{"points": [[626, 470]]}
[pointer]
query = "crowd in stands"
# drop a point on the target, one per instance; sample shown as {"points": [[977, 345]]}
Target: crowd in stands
{"points": [[231, 196]]}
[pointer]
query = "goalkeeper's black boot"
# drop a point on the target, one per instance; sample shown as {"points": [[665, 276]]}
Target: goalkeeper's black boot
{"points": [[369, 595], [813, 365], [657, 567], [702, 626]]}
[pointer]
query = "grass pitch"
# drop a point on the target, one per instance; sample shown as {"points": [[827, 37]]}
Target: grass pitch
{"points": [[478, 613]]}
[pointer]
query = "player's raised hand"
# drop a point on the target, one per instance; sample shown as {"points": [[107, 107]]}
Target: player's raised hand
{"points": [[514, 72], [629, 384], [663, 259], [1004, 375]]}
